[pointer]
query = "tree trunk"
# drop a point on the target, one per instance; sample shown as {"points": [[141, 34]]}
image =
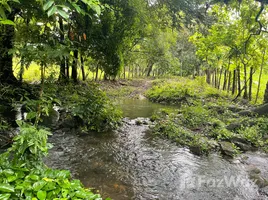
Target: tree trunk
{"points": [[97, 73], [229, 81], [7, 33], [259, 82], [266, 94], [62, 76], [208, 76], [245, 96], [225, 80], [124, 72], [67, 68], [149, 68], [216, 78], [213, 78], [21, 72], [238, 81], [83, 68], [250, 83], [234, 82], [74, 66], [219, 81]]}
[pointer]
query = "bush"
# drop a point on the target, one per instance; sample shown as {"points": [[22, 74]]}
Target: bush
{"points": [[90, 104], [23, 174]]}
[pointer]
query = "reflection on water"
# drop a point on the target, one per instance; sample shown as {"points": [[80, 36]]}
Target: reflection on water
{"points": [[134, 108]]}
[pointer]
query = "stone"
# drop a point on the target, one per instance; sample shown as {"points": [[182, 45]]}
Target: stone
{"points": [[242, 143], [227, 149]]}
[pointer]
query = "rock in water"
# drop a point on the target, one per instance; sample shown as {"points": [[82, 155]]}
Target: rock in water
{"points": [[227, 149]]}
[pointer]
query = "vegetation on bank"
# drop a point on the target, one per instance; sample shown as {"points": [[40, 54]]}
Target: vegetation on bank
{"points": [[183, 90], [23, 175], [86, 104], [207, 119]]}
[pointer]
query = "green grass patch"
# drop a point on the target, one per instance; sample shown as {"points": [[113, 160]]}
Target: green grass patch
{"points": [[182, 90]]}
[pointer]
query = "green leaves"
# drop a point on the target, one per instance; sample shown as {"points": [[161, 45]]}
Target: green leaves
{"points": [[41, 195], [48, 5], [4, 6], [23, 174], [4, 187], [63, 14], [4, 196], [52, 11]]}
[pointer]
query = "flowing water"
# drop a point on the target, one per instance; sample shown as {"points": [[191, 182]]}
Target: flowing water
{"points": [[132, 164]]}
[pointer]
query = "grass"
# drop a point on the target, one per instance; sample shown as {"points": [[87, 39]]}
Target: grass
{"points": [[182, 90], [32, 74]]}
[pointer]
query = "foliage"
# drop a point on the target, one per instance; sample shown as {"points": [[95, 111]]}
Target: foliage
{"points": [[23, 174], [200, 126], [88, 103], [183, 89]]}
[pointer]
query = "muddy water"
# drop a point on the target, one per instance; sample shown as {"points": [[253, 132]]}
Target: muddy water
{"points": [[131, 164]]}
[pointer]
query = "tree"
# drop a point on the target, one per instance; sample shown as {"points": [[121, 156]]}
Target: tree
{"points": [[31, 10]]}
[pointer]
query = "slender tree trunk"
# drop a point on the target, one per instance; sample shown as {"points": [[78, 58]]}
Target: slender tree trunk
{"points": [[149, 68], [250, 83], [266, 94], [213, 78], [83, 68], [62, 76], [124, 72], [239, 81], [234, 82], [42, 74], [21, 70], [74, 67], [208, 76], [225, 80], [97, 73], [67, 68], [219, 82], [229, 81], [259, 82], [245, 96], [7, 33]]}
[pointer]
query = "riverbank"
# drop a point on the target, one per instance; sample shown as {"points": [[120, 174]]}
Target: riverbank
{"points": [[203, 118]]}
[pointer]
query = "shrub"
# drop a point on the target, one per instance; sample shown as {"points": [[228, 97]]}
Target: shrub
{"points": [[23, 174], [90, 104]]}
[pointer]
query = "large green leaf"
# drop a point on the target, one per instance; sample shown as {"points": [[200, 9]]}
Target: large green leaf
{"points": [[48, 4], [4, 187], [4, 196], [41, 195], [52, 11], [63, 14], [96, 8], [2, 13], [39, 185]]}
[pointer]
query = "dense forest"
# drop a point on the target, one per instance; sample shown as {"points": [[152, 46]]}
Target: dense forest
{"points": [[197, 69]]}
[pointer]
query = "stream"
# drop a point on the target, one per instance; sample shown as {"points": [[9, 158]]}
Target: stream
{"points": [[132, 164]]}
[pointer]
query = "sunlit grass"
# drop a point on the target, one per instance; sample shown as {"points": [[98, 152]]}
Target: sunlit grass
{"points": [[33, 74]]}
